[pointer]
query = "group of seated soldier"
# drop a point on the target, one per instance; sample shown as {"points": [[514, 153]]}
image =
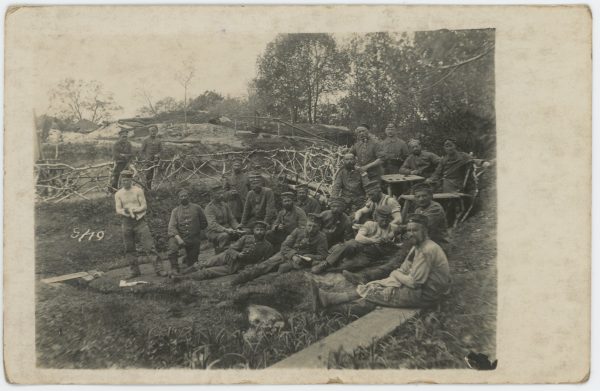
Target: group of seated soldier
{"points": [[361, 232], [366, 246]]}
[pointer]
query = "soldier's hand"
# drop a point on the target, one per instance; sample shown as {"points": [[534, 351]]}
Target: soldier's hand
{"points": [[180, 241], [296, 258]]}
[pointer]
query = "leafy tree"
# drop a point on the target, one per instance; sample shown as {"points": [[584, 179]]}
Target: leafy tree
{"points": [[75, 100], [296, 71], [205, 100]]}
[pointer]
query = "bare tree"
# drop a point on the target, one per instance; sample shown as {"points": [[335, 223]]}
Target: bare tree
{"points": [[184, 77], [75, 100], [145, 95]]}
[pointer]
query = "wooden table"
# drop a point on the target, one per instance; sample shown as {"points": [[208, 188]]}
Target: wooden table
{"points": [[393, 179]]}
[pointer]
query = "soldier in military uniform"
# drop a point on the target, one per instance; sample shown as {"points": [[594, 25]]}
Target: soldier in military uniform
{"points": [[222, 225], [236, 186], [186, 223], [306, 202], [259, 204], [349, 184], [247, 250], [288, 219], [300, 249], [122, 154]]}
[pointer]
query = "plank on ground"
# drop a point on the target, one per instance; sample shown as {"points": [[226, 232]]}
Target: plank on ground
{"points": [[362, 332]]}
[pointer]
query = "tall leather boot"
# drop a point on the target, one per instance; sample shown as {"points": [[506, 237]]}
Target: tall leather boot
{"points": [[174, 261]]}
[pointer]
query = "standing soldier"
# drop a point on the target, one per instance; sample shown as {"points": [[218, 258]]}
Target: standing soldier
{"points": [[221, 222], [306, 202], [247, 250], [186, 223], [349, 184], [288, 219], [259, 204], [368, 152], [151, 150], [237, 186], [395, 150], [130, 204], [122, 154]]}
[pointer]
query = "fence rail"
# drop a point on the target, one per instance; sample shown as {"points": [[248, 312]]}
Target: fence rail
{"points": [[56, 181]]}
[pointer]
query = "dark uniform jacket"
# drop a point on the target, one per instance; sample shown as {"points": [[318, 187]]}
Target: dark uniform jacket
{"points": [[298, 242], [309, 205], [122, 147], [187, 222]]}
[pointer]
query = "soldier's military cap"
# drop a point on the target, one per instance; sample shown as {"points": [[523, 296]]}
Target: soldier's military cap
{"points": [[338, 202], [260, 223], [287, 194], [418, 218], [126, 174], [383, 211], [422, 187], [372, 185]]}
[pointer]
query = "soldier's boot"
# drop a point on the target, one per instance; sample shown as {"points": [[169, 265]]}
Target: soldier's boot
{"points": [[354, 278], [319, 267], [321, 300], [158, 266], [134, 269], [174, 261]]}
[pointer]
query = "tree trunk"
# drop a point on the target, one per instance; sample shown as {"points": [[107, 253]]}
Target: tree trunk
{"points": [[185, 108]]}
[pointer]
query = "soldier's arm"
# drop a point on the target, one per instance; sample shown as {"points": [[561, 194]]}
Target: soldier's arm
{"points": [[246, 212], [172, 229], [270, 212], [211, 220], [405, 169], [142, 200], [336, 189], [202, 218], [321, 252], [437, 174], [287, 247], [119, 206]]}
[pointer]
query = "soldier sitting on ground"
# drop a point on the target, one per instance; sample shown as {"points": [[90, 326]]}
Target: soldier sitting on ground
{"points": [[374, 242], [336, 224], [222, 225], [307, 203], [437, 229], [376, 199], [186, 223], [421, 281], [288, 219], [259, 204], [247, 250], [300, 249]]}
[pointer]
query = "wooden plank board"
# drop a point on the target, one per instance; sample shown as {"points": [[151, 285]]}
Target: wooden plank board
{"points": [[362, 332], [65, 277]]}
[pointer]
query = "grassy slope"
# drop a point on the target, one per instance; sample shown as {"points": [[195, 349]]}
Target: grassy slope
{"points": [[178, 326]]}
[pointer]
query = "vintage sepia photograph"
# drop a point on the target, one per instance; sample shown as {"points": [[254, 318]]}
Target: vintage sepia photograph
{"points": [[311, 194], [293, 200]]}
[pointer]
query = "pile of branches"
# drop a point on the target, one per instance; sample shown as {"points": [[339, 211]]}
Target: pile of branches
{"points": [[314, 166]]}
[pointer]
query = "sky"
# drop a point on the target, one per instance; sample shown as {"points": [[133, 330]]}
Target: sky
{"points": [[124, 63]]}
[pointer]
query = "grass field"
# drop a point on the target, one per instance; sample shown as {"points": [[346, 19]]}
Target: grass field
{"points": [[202, 324]]}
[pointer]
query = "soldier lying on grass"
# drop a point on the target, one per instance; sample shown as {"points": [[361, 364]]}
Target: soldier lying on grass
{"points": [[247, 250], [299, 250]]}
